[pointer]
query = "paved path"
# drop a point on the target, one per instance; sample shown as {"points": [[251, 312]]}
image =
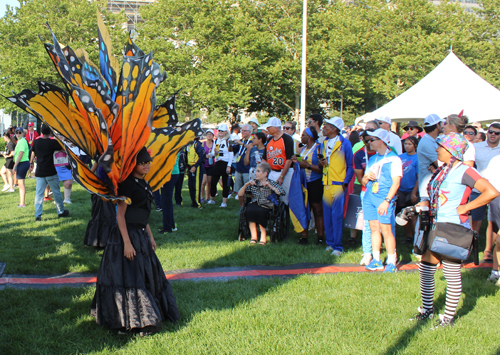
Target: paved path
{"points": [[215, 274]]}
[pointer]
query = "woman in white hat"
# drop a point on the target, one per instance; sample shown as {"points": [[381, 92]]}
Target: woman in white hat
{"points": [[222, 168]]}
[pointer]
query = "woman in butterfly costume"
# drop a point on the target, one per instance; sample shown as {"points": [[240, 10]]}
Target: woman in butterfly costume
{"points": [[113, 119]]}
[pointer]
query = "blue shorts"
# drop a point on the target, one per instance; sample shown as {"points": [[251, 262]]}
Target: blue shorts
{"points": [[370, 206], [478, 214], [22, 169]]}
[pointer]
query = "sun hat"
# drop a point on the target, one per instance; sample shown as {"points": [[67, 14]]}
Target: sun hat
{"points": [[254, 120], [272, 122], [413, 124], [432, 119], [454, 143], [381, 134], [336, 121]]}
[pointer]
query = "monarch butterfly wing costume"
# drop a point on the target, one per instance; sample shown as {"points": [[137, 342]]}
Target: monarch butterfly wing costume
{"points": [[110, 120], [165, 144]]}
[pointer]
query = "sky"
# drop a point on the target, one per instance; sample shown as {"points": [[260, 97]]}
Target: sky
{"points": [[3, 3]]}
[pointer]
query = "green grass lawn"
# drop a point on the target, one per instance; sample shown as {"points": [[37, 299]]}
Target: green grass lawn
{"points": [[311, 314], [324, 314], [206, 238]]}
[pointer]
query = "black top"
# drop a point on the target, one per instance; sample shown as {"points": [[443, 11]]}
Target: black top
{"points": [[44, 149], [141, 195], [10, 148]]}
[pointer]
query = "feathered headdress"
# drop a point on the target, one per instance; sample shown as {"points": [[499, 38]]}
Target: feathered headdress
{"points": [[112, 117]]}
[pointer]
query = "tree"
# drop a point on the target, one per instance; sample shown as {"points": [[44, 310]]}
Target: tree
{"points": [[23, 59]]}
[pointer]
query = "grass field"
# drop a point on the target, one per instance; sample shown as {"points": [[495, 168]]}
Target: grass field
{"points": [[343, 313]]}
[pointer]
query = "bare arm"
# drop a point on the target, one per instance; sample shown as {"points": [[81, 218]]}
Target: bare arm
{"points": [[128, 250]]}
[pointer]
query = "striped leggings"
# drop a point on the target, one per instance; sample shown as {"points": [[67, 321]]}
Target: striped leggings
{"points": [[453, 278]]}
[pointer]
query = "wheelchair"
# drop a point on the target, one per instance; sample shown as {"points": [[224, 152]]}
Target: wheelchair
{"points": [[278, 223]]}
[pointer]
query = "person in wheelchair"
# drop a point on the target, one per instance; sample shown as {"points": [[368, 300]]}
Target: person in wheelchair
{"points": [[259, 207]]}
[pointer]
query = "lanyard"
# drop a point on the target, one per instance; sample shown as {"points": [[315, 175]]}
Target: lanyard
{"points": [[382, 161], [304, 156], [240, 152]]}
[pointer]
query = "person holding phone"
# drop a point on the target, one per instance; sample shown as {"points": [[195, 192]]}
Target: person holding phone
{"points": [[336, 162]]}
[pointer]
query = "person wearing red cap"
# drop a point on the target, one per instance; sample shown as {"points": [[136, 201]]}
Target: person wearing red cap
{"points": [[31, 135]]}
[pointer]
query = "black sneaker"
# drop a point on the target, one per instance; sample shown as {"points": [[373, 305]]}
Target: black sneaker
{"points": [[320, 241], [64, 214], [163, 230], [423, 314], [443, 322], [158, 209], [39, 218], [351, 242], [303, 241]]}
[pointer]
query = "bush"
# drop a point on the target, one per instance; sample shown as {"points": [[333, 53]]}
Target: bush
{"points": [[2, 145]]}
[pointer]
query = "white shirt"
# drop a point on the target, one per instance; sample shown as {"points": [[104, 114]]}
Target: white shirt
{"points": [[484, 154], [492, 172], [470, 153]]}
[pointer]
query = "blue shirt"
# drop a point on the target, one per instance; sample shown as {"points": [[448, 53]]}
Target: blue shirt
{"points": [[311, 156], [389, 166], [426, 153], [410, 172], [239, 153]]}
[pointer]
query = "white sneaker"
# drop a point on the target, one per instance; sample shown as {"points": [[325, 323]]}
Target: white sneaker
{"points": [[366, 259], [5, 188], [329, 249], [493, 278], [211, 202], [336, 253], [10, 190], [68, 202], [223, 205]]}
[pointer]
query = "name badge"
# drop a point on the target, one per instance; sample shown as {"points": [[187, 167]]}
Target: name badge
{"points": [[375, 187]]}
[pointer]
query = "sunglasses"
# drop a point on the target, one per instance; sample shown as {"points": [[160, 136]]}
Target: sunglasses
{"points": [[373, 140], [287, 127], [144, 163], [496, 133], [470, 133], [19, 132]]}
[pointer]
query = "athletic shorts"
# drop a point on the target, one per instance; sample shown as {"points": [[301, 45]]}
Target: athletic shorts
{"points": [[479, 213], [315, 191], [22, 170], [370, 206], [209, 170]]}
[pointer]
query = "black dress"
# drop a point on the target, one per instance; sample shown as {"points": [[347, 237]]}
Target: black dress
{"points": [[102, 219], [133, 295]]}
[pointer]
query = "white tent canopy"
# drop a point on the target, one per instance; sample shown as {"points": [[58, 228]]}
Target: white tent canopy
{"points": [[450, 88]]}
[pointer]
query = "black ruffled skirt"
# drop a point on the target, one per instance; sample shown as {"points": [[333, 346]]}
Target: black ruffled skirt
{"points": [[102, 219], [132, 295]]}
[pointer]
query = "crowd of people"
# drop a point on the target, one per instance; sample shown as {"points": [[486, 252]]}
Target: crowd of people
{"points": [[445, 166]]}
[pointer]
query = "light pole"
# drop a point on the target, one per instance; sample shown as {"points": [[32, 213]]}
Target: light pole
{"points": [[302, 118]]}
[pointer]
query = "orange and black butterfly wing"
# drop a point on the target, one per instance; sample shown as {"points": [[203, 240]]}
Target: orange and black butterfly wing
{"points": [[165, 144], [165, 114]]}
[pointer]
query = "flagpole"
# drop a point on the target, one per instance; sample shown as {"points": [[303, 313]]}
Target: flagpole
{"points": [[302, 118]]}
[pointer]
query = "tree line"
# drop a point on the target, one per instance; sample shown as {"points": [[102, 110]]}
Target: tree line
{"points": [[229, 55]]}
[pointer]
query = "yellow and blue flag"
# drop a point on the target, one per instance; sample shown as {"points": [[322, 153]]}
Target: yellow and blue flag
{"points": [[298, 200]]}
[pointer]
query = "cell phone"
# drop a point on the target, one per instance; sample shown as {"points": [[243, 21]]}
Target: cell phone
{"points": [[321, 156], [433, 165]]}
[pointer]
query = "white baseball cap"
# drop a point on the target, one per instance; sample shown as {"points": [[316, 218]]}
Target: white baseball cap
{"points": [[222, 127], [336, 121], [385, 119], [432, 119], [210, 131], [381, 134], [272, 122]]}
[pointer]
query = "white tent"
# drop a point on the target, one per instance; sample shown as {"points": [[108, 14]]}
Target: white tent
{"points": [[450, 88]]}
